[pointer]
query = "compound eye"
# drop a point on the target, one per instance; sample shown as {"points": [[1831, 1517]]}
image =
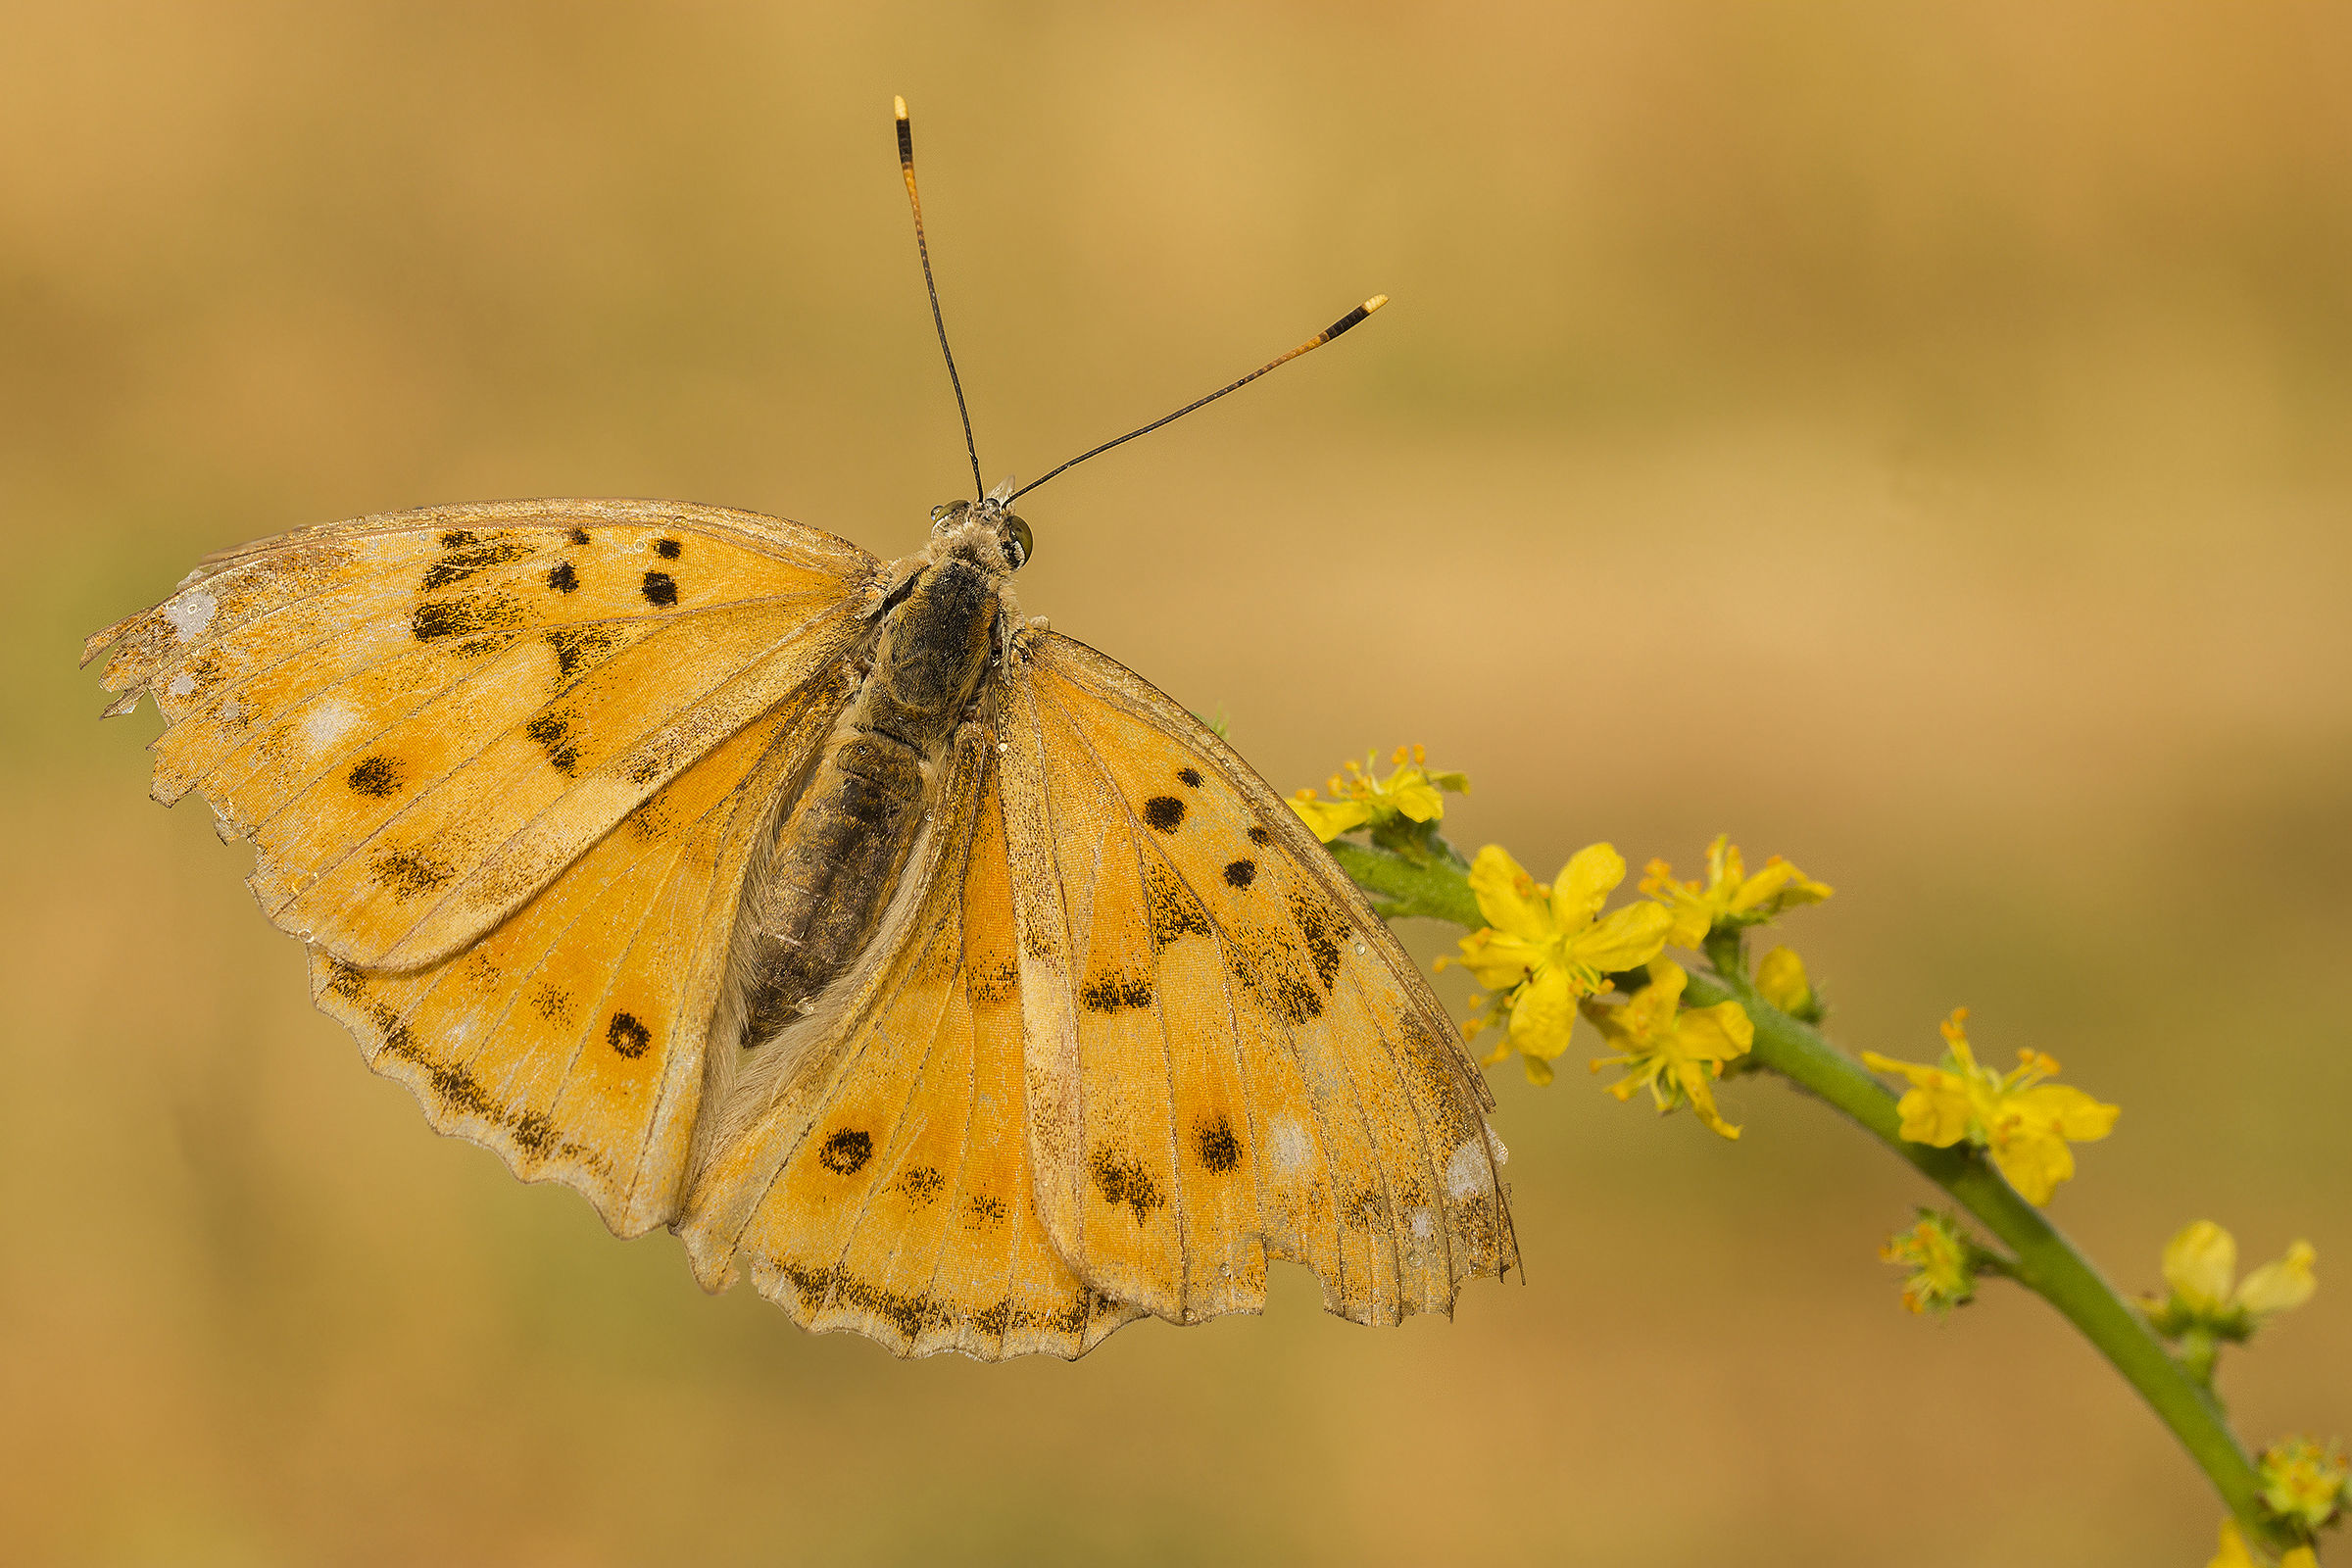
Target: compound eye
{"points": [[1017, 542]]}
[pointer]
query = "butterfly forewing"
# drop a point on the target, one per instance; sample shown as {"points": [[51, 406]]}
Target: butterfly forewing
{"points": [[1227, 1051], [570, 1039], [420, 719]]}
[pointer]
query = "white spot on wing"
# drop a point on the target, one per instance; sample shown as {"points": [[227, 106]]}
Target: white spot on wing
{"points": [[1421, 1224], [1466, 1171], [190, 613], [1289, 1146], [182, 685], [329, 724]]}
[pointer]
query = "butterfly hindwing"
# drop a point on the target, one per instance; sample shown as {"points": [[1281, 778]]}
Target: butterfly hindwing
{"points": [[570, 1039], [421, 719], [1228, 1054], [885, 1187]]}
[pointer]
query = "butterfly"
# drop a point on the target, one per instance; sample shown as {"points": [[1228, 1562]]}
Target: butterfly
{"points": [[920, 962]]}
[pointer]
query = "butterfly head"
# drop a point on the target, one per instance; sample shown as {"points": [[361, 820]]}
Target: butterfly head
{"points": [[988, 518]]}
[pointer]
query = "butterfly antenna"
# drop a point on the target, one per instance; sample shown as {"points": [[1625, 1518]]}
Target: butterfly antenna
{"points": [[1315, 342], [907, 167]]}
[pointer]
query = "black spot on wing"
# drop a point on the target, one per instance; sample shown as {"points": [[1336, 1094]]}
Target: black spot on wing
{"points": [[550, 1004], [1191, 777], [845, 1151], [463, 561], [578, 536], [554, 735], [1123, 1181], [650, 821], [922, 1183], [412, 873], [1272, 972], [378, 776], [1175, 912], [578, 647], [1219, 1150], [627, 1036], [1111, 992], [534, 1132], [1295, 999], [561, 579], [994, 983], [392, 1032], [462, 618], [1259, 836], [345, 980], [1323, 931], [660, 588], [667, 549], [1239, 874], [1164, 813], [984, 1209]]}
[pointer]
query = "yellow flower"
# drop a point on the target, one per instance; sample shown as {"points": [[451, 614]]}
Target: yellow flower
{"points": [[2304, 1483], [2200, 1267], [1359, 800], [2023, 1122], [2280, 1284], [1731, 898], [1672, 1052], [1780, 980], [2233, 1553], [1943, 1261], [1544, 947]]}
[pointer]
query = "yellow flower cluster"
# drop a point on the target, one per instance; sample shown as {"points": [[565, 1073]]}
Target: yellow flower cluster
{"points": [[2305, 1484], [1943, 1261], [2023, 1122], [1544, 948], [1549, 955], [2205, 1294], [1731, 898], [1672, 1050], [1546, 952], [1412, 791]]}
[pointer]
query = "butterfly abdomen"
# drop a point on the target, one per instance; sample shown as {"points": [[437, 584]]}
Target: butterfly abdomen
{"points": [[840, 847]]}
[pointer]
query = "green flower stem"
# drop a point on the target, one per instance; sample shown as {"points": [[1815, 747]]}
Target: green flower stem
{"points": [[1439, 889], [2042, 1259]]}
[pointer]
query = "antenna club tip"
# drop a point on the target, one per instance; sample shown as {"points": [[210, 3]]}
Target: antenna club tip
{"points": [[898, 108], [1375, 303]]}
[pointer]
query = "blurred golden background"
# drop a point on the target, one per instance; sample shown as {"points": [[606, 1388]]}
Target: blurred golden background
{"points": [[1913, 438]]}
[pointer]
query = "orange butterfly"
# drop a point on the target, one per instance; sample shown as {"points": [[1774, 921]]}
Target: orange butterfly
{"points": [[923, 962]]}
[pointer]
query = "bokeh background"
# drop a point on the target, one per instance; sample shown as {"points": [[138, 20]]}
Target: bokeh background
{"points": [[1914, 438]]}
